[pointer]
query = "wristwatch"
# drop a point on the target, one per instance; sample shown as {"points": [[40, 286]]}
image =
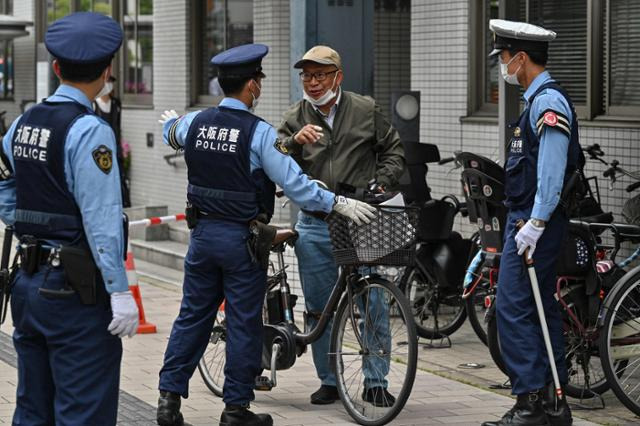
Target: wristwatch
{"points": [[538, 223]]}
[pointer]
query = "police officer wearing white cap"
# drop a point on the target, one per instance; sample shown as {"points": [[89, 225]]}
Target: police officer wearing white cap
{"points": [[543, 152], [233, 159], [70, 302]]}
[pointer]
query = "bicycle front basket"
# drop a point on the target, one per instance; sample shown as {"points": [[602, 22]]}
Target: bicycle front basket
{"points": [[389, 239]]}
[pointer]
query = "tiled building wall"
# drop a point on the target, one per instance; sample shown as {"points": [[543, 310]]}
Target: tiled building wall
{"points": [[391, 48], [153, 181]]}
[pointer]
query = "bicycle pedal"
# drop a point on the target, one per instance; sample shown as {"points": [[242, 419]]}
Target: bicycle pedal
{"points": [[263, 384]]}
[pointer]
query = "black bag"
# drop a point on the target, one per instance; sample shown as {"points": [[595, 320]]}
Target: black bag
{"points": [[576, 257], [436, 220]]}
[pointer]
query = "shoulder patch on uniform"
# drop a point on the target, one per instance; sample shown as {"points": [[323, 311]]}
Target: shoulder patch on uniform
{"points": [[550, 118], [554, 119], [279, 145], [103, 157]]}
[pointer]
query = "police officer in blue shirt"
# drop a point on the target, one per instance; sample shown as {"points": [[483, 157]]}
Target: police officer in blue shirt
{"points": [[542, 154], [233, 159], [62, 194]]}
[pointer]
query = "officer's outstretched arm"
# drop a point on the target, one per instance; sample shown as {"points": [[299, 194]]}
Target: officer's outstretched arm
{"points": [[175, 127], [284, 171], [273, 157]]}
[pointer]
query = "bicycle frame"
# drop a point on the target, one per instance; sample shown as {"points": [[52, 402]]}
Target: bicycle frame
{"points": [[346, 275]]}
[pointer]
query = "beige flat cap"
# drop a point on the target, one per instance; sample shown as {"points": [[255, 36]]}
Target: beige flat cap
{"points": [[321, 55]]}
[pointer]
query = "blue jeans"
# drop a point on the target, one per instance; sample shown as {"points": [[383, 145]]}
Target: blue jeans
{"points": [[319, 273]]}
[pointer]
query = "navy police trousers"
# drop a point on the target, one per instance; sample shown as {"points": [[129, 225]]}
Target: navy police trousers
{"points": [[521, 340], [218, 267], [68, 362]]}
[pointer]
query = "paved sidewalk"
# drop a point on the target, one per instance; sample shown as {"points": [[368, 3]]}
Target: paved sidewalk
{"points": [[435, 400]]}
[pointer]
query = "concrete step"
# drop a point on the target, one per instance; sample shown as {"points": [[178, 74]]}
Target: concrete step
{"points": [[179, 232], [166, 253], [158, 274]]}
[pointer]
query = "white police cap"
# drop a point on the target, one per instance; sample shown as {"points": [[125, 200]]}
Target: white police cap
{"points": [[515, 35]]}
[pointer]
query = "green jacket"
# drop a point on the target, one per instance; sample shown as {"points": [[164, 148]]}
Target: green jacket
{"points": [[361, 146]]}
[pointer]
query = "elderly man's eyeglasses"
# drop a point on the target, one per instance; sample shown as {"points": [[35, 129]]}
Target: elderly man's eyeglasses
{"points": [[319, 76]]}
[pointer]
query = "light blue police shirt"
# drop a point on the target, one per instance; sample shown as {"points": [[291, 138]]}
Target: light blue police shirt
{"points": [[553, 150], [96, 193], [280, 168]]}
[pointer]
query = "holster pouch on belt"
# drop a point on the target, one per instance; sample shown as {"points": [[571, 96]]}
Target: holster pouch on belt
{"points": [[259, 242], [29, 250], [191, 215], [80, 272], [6, 273]]}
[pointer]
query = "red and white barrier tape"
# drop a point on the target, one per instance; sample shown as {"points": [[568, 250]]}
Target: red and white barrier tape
{"points": [[157, 220]]}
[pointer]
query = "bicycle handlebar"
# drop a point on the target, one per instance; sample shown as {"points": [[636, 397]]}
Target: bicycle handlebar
{"points": [[633, 186]]}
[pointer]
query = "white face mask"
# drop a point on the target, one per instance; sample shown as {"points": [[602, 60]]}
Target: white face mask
{"points": [[255, 99], [509, 78], [324, 99], [106, 89]]}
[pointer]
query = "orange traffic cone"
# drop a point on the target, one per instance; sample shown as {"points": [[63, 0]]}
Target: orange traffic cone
{"points": [[144, 327]]}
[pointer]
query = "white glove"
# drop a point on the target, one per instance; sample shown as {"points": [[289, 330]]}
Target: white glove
{"points": [[527, 238], [355, 210], [125, 315], [167, 115]]}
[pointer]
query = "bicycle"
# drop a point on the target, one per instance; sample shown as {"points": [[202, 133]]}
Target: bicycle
{"points": [[373, 337], [619, 318], [433, 283]]}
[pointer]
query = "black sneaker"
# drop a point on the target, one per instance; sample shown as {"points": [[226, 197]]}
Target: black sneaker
{"points": [[241, 416], [325, 395], [527, 411], [168, 413], [379, 397]]}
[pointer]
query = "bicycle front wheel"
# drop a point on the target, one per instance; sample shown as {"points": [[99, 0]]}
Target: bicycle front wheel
{"points": [[620, 341], [374, 351]]}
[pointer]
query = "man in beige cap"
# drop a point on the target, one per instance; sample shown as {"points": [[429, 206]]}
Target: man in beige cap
{"points": [[337, 137]]}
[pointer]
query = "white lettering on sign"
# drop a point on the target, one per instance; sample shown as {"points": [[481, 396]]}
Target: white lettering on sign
{"points": [[217, 139], [31, 143], [233, 135], [516, 146]]}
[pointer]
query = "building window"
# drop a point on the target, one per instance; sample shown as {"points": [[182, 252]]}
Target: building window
{"points": [[568, 52], [137, 20], [621, 88], [220, 25], [611, 37], [6, 7], [6, 57]]}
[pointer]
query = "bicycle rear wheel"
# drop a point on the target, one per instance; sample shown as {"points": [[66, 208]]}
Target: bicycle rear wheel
{"points": [[476, 309], [620, 341], [211, 365], [374, 351], [438, 312]]}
